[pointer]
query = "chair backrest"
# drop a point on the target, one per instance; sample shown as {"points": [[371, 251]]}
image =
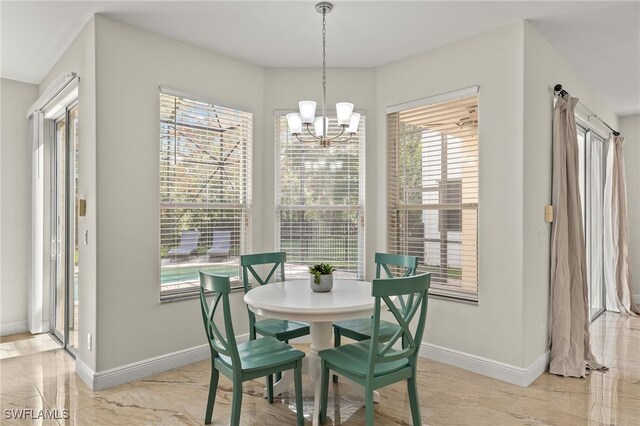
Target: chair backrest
{"points": [[384, 260], [221, 240], [248, 261], [383, 290], [225, 343], [189, 239]]}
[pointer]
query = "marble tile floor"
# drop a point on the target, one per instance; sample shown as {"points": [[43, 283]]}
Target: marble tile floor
{"points": [[35, 373]]}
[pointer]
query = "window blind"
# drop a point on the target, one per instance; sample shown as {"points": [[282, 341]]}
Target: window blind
{"points": [[319, 202], [433, 191], [205, 191]]}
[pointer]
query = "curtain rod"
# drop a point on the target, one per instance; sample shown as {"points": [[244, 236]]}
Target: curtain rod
{"points": [[52, 91], [559, 90]]}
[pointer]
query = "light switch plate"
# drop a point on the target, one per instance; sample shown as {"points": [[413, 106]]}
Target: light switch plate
{"points": [[543, 237]]}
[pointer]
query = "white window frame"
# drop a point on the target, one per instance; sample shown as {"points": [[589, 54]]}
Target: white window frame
{"points": [[441, 291], [191, 289], [295, 270]]}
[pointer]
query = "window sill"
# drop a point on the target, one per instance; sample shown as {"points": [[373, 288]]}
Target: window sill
{"points": [[194, 293], [443, 295]]}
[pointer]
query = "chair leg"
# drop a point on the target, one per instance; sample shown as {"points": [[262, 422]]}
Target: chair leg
{"points": [[279, 374], [236, 403], [213, 387], [368, 405], [414, 401], [270, 388], [336, 343], [324, 392], [298, 389]]}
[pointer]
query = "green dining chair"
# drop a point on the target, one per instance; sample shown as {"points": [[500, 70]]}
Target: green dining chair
{"points": [[375, 364], [280, 329], [245, 361], [360, 329]]}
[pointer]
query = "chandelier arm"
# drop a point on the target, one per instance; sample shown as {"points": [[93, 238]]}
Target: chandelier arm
{"points": [[338, 135], [311, 134], [341, 140], [301, 140]]}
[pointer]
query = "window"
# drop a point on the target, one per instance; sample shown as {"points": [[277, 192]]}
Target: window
{"points": [[433, 189], [205, 191], [319, 202]]}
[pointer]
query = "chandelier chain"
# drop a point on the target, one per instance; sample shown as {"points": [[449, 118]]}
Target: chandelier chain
{"points": [[324, 68]]}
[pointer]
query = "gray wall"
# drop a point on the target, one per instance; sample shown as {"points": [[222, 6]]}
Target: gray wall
{"points": [[132, 64], [493, 328], [80, 58], [630, 129], [15, 197]]}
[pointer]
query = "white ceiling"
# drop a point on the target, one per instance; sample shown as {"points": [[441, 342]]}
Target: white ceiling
{"points": [[601, 39]]}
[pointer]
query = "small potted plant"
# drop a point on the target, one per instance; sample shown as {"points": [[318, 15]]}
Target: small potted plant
{"points": [[321, 279]]}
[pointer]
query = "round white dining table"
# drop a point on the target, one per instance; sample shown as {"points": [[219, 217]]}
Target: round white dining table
{"points": [[293, 300]]}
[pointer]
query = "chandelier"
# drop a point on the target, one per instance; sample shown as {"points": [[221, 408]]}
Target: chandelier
{"points": [[317, 128]]}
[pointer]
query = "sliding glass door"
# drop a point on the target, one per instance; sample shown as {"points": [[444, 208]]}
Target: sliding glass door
{"points": [[591, 171], [64, 235]]}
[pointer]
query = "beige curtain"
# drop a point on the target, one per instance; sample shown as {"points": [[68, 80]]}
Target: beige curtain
{"points": [[569, 311], [617, 271]]}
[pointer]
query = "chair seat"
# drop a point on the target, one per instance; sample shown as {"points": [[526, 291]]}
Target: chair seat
{"points": [[264, 353], [362, 327], [281, 329], [354, 358]]}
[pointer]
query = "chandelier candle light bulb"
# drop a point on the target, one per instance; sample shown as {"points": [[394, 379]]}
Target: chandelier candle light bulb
{"points": [[347, 119], [294, 120], [317, 125], [353, 124], [307, 111], [344, 111]]}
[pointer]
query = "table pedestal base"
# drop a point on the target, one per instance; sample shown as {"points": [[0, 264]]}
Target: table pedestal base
{"points": [[320, 340], [321, 333]]}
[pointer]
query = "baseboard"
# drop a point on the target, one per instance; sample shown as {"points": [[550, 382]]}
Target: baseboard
{"points": [[13, 328], [487, 367], [85, 373], [98, 380]]}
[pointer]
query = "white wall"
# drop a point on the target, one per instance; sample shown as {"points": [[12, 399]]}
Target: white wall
{"points": [[284, 87], [131, 64], [493, 328], [80, 58], [543, 68], [15, 195], [630, 129]]}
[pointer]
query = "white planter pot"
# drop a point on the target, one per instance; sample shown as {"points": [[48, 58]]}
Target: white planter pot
{"points": [[326, 283]]}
